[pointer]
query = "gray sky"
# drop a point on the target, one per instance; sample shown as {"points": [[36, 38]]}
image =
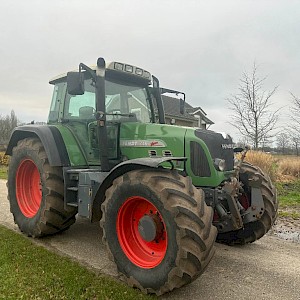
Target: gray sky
{"points": [[199, 47]]}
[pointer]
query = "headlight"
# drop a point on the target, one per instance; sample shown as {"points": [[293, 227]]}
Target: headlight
{"points": [[220, 164]]}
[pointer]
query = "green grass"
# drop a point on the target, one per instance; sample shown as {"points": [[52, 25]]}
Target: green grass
{"points": [[289, 193], [28, 271], [3, 172], [289, 199], [292, 214]]}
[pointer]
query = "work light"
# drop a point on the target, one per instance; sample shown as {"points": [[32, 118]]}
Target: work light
{"points": [[128, 68], [119, 66]]}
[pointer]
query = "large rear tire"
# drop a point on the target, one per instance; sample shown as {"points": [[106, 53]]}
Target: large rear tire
{"points": [[36, 191], [254, 230], [157, 229]]}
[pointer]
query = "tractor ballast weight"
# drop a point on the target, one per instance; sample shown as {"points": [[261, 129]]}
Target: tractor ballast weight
{"points": [[163, 194]]}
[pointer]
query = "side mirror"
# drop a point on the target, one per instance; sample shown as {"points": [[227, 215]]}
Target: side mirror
{"points": [[182, 106], [75, 83]]}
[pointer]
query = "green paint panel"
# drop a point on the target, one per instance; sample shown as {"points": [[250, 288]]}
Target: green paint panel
{"points": [[143, 140], [140, 140], [74, 151], [216, 176]]}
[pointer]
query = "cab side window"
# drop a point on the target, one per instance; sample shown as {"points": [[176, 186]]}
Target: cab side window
{"points": [[81, 106], [57, 99]]}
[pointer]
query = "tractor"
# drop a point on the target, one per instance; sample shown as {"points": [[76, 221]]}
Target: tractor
{"points": [[163, 193]]}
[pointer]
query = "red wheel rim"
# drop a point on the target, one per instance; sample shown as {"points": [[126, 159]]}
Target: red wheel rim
{"points": [[244, 200], [145, 254], [28, 188]]}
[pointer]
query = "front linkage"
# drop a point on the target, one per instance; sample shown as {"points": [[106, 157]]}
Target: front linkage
{"points": [[245, 206]]}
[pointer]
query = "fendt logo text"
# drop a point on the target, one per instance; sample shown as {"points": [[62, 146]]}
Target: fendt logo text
{"points": [[227, 146]]}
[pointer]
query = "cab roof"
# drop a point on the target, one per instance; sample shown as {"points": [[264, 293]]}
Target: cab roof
{"points": [[115, 66]]}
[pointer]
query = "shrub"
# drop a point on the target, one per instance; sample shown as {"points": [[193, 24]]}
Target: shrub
{"points": [[280, 168], [263, 160], [4, 159], [289, 166]]}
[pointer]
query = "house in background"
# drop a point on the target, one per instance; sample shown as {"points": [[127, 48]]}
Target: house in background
{"points": [[192, 117]]}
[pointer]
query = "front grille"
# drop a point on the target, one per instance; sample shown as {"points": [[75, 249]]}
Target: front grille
{"points": [[167, 153], [199, 163], [152, 153], [219, 147]]}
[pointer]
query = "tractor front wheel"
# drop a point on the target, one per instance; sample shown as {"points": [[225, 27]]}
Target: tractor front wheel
{"points": [[157, 229], [36, 191]]}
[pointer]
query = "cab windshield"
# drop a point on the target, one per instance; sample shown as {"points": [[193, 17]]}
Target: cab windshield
{"points": [[124, 102]]}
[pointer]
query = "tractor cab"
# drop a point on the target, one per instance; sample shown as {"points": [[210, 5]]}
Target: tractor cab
{"points": [[94, 103]]}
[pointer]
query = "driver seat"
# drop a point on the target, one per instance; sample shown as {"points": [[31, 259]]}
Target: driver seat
{"points": [[86, 112]]}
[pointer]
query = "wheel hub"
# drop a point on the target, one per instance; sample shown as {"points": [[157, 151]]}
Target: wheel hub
{"points": [[150, 227]]}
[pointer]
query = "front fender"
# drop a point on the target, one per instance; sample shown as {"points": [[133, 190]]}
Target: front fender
{"points": [[122, 168], [50, 138]]}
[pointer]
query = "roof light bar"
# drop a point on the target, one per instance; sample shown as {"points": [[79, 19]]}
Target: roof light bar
{"points": [[129, 68], [146, 74], [139, 71], [118, 66]]}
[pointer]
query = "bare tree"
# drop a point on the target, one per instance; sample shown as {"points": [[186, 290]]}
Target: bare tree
{"points": [[251, 107], [295, 112], [283, 142], [7, 124], [296, 143], [295, 123], [243, 142]]}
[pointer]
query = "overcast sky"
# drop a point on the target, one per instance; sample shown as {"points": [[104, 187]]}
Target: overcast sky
{"points": [[199, 47]]}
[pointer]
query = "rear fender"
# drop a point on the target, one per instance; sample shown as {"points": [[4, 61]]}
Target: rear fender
{"points": [[49, 136], [122, 168]]}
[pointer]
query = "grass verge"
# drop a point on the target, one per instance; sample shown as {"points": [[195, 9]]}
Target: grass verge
{"points": [[290, 214], [3, 172], [29, 271], [289, 198], [289, 193]]}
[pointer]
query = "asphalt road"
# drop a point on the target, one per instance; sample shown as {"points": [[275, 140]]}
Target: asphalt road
{"points": [[266, 269]]}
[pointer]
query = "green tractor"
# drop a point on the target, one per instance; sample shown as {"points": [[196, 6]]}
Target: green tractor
{"points": [[162, 193]]}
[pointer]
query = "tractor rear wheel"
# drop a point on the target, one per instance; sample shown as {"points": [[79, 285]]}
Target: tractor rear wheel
{"points": [[157, 229], [254, 230], [36, 191]]}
